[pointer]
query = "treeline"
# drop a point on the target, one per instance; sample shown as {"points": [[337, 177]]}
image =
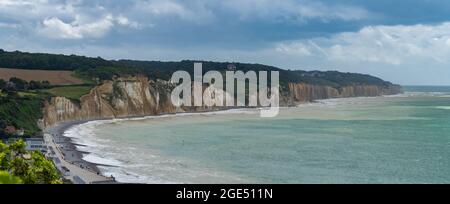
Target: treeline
{"points": [[98, 68], [17, 84], [25, 60], [18, 166], [336, 79]]}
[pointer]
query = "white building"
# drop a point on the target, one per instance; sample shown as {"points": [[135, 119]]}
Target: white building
{"points": [[35, 144]]}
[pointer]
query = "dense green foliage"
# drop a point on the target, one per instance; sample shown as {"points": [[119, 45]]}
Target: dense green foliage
{"points": [[335, 78], [22, 112], [98, 68], [21, 103], [106, 73], [7, 178], [17, 84], [24, 166], [24, 60], [2, 84], [19, 106]]}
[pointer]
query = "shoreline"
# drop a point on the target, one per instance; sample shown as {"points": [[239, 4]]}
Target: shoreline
{"points": [[68, 146], [74, 155], [69, 156]]}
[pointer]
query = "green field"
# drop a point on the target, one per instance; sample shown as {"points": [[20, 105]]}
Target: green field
{"points": [[71, 92], [28, 93]]}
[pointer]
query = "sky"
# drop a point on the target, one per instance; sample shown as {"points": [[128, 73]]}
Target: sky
{"points": [[406, 42]]}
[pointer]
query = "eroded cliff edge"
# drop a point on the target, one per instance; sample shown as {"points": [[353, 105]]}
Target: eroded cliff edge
{"points": [[128, 97], [139, 96], [306, 93]]}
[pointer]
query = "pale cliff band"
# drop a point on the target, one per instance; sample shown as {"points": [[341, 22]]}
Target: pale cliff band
{"points": [[215, 96]]}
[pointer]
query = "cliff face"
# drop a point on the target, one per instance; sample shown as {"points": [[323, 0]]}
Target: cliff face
{"points": [[308, 93], [138, 96], [121, 98]]}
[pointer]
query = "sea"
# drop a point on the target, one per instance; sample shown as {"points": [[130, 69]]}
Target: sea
{"points": [[403, 138]]}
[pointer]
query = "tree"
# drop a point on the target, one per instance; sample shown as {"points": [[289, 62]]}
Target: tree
{"points": [[34, 85], [18, 147], [19, 83], [6, 178], [18, 166], [45, 84], [4, 156], [2, 84], [3, 124], [29, 167], [43, 170]]}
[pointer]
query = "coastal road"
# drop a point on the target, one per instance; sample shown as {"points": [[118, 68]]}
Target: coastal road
{"points": [[77, 174]]}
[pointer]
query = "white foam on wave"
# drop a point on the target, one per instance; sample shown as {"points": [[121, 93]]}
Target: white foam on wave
{"points": [[221, 112], [104, 152], [334, 102], [97, 159], [422, 94], [402, 95], [85, 140], [443, 107], [83, 135], [130, 177]]}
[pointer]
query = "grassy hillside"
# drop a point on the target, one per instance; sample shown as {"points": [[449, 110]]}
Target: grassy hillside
{"points": [[71, 92], [22, 112], [21, 103]]}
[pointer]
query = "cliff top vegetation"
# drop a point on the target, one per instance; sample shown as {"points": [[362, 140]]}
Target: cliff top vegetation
{"points": [[97, 69]]}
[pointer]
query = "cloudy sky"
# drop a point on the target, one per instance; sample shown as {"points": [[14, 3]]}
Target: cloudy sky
{"points": [[407, 42]]}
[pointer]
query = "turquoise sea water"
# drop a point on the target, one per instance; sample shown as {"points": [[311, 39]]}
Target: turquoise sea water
{"points": [[398, 139]]}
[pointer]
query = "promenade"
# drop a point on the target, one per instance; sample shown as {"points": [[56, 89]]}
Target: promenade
{"points": [[70, 170]]}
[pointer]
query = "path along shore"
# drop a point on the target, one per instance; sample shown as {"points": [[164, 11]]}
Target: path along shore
{"points": [[68, 159]]}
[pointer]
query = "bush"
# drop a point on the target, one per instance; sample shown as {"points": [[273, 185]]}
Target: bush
{"points": [[2, 84], [6, 178], [22, 112], [24, 166]]}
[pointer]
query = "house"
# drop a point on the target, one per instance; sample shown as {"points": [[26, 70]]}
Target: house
{"points": [[35, 144], [20, 132], [231, 67], [10, 129], [10, 84]]}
